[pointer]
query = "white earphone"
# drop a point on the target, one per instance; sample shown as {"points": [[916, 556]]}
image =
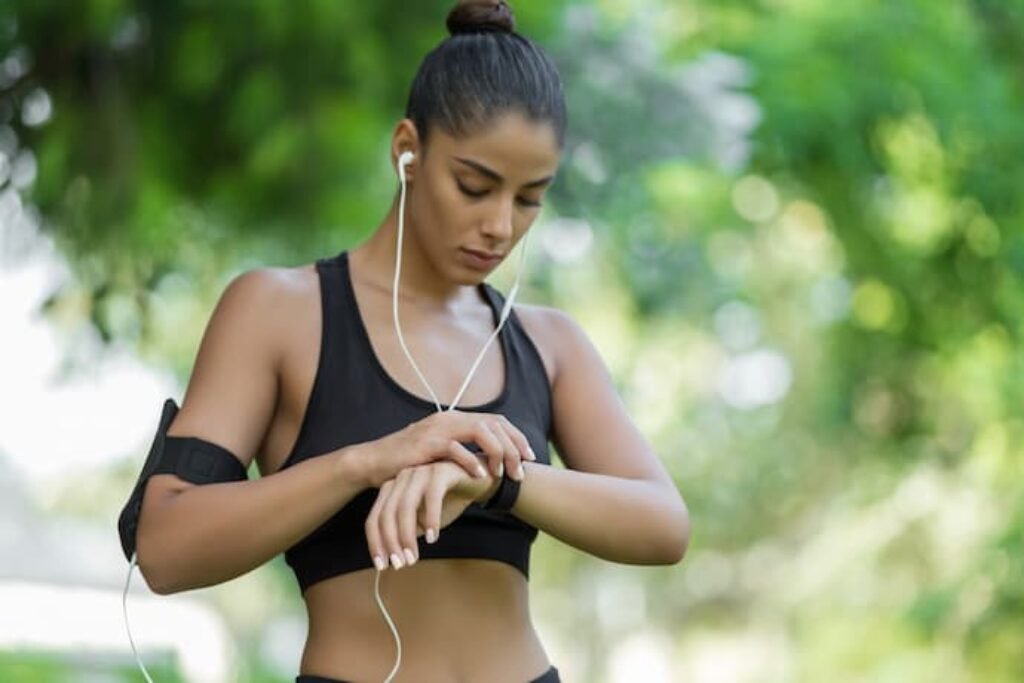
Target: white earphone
{"points": [[403, 159]]}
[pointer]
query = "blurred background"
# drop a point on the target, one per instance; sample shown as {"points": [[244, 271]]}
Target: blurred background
{"points": [[793, 228]]}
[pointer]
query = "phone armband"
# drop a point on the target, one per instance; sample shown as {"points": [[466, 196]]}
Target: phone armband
{"points": [[191, 458]]}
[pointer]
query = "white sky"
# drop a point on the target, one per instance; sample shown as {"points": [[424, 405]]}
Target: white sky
{"points": [[49, 429]]}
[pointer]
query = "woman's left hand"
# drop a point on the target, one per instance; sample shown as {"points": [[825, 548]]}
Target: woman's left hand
{"points": [[422, 497]]}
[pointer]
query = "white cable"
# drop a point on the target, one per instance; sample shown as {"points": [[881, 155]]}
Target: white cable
{"points": [[394, 287], [391, 625], [124, 607], [505, 312]]}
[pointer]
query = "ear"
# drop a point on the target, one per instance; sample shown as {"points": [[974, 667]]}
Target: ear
{"points": [[405, 139]]}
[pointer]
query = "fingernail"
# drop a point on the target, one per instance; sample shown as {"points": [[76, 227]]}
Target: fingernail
{"points": [[501, 469], [379, 563], [480, 471], [409, 556], [431, 535], [533, 456], [521, 472], [396, 561]]}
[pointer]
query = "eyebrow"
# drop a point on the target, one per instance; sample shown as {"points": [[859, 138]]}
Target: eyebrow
{"points": [[494, 175]]}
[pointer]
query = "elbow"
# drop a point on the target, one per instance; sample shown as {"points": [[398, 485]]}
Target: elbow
{"points": [[159, 565], [164, 583], [153, 570], [677, 551], [679, 538], [160, 588], [156, 568]]}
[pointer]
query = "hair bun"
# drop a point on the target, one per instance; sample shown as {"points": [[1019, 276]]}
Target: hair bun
{"points": [[477, 16]]}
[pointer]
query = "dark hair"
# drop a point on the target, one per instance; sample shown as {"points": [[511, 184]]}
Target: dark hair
{"points": [[483, 69]]}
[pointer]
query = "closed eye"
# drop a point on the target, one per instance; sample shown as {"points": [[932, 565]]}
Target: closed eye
{"points": [[477, 194], [471, 193]]}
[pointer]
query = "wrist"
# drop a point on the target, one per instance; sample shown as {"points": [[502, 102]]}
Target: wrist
{"points": [[479, 488], [353, 467], [503, 496], [487, 488]]}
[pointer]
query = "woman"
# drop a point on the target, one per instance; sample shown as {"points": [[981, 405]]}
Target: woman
{"points": [[302, 369]]}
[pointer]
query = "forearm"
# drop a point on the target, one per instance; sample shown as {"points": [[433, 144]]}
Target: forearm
{"points": [[622, 520], [212, 533]]}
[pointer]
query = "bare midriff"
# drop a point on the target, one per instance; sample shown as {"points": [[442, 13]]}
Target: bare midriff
{"points": [[459, 620]]}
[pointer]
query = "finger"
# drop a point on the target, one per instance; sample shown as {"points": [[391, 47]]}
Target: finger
{"points": [[408, 505], [473, 427], [518, 438], [430, 509], [466, 459], [512, 456], [389, 522], [373, 538], [491, 444]]}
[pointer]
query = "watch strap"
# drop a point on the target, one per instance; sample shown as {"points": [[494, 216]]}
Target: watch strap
{"points": [[505, 496]]}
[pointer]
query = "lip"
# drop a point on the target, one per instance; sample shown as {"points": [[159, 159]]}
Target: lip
{"points": [[481, 260]]}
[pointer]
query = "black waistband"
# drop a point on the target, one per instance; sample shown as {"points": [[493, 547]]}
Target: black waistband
{"points": [[549, 676]]}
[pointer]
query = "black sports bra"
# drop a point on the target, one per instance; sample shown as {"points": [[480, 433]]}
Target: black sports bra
{"points": [[354, 400]]}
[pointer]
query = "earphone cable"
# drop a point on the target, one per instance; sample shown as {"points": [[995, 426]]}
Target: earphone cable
{"points": [[394, 286], [124, 608], [505, 312]]}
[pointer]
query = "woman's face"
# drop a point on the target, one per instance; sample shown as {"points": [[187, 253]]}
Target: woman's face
{"points": [[480, 193]]}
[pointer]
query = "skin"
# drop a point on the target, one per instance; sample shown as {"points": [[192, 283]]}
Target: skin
{"points": [[459, 619]]}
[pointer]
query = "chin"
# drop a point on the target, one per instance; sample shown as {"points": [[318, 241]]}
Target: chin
{"points": [[468, 277], [455, 273]]}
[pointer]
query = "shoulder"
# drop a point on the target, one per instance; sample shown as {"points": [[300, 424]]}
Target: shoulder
{"points": [[268, 302], [555, 333], [546, 318], [273, 282], [251, 330]]}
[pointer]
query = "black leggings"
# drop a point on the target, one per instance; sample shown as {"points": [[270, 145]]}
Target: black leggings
{"points": [[549, 676]]}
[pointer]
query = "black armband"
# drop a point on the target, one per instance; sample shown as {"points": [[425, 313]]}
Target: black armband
{"points": [[191, 458]]}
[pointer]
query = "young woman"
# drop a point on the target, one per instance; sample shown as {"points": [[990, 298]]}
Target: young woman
{"points": [[331, 376]]}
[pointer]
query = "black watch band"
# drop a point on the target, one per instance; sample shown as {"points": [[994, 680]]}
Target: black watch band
{"points": [[505, 497]]}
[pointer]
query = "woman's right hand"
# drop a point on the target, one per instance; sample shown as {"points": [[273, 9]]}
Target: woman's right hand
{"points": [[440, 437]]}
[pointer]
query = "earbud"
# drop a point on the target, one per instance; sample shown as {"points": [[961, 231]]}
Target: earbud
{"points": [[403, 159]]}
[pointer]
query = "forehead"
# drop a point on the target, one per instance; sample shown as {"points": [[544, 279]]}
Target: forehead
{"points": [[509, 143]]}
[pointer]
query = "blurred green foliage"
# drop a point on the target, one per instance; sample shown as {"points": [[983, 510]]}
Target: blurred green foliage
{"points": [[58, 667], [805, 275]]}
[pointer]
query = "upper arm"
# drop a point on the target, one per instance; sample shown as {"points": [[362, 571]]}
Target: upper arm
{"points": [[592, 430], [232, 390]]}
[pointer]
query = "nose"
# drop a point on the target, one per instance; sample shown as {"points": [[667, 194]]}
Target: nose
{"points": [[498, 226]]}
